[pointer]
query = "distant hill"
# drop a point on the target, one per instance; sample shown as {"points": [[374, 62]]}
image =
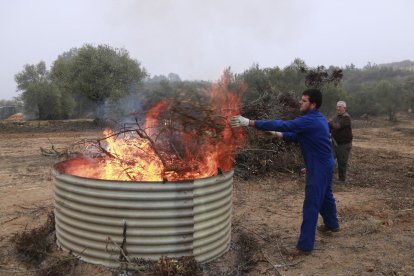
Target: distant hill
{"points": [[402, 65]]}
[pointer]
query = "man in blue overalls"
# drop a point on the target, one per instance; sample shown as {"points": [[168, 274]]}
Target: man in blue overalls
{"points": [[311, 131]]}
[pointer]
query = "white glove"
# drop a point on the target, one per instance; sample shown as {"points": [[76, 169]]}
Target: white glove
{"points": [[239, 121], [278, 135]]}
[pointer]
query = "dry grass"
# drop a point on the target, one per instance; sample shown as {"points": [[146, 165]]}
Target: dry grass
{"points": [[33, 246], [362, 226]]}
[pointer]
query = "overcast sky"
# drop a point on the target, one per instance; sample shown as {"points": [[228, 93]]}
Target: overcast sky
{"points": [[198, 39]]}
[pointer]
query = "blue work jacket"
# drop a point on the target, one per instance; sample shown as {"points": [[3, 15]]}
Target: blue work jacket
{"points": [[311, 131]]}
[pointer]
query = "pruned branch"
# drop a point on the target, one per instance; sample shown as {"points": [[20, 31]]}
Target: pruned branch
{"points": [[320, 76]]}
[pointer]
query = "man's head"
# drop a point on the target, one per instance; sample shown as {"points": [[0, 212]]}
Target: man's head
{"points": [[311, 99], [340, 107]]}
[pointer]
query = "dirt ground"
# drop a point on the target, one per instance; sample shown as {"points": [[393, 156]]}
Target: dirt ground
{"points": [[375, 207]]}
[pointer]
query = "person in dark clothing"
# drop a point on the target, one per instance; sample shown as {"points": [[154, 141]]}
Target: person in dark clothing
{"points": [[341, 131], [311, 131]]}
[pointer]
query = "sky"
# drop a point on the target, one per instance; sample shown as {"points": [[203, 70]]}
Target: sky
{"points": [[198, 39]]}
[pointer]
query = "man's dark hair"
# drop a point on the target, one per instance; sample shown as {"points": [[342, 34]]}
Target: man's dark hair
{"points": [[315, 96]]}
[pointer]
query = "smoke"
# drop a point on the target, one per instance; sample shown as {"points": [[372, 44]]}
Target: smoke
{"points": [[122, 112], [198, 39]]}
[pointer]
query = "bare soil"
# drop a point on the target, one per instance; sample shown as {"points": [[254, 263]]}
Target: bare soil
{"points": [[376, 207]]}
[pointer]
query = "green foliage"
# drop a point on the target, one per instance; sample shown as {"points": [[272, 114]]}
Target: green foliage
{"points": [[331, 95], [362, 102], [376, 90], [389, 98], [67, 103], [272, 81], [258, 82], [31, 74], [93, 81], [160, 88], [42, 99], [288, 83], [408, 92], [97, 74], [153, 92]]}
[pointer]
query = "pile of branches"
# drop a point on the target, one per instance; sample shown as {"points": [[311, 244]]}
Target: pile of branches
{"points": [[191, 112], [34, 245], [272, 105], [265, 155], [261, 156], [35, 249]]}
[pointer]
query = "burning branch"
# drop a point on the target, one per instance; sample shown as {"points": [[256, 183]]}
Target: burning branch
{"points": [[207, 122], [143, 134], [184, 137]]}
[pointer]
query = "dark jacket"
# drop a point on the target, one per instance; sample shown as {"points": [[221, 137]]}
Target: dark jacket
{"points": [[341, 129]]}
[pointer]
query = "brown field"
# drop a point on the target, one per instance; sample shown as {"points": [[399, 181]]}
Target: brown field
{"points": [[376, 206]]}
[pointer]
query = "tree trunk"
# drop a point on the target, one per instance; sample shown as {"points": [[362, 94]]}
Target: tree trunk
{"points": [[391, 115]]}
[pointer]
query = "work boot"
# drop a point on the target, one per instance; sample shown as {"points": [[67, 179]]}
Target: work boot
{"points": [[325, 229]]}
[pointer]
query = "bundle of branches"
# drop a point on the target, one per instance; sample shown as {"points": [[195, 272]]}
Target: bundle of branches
{"points": [[272, 105], [188, 132], [189, 113], [187, 122], [320, 76], [264, 155]]}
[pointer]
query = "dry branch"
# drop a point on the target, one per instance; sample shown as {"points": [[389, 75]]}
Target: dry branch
{"points": [[121, 251], [320, 76], [32, 246]]}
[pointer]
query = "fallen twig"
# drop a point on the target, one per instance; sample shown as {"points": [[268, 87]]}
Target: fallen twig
{"points": [[405, 210], [120, 249], [274, 266], [123, 245], [241, 266], [3, 222], [266, 240]]}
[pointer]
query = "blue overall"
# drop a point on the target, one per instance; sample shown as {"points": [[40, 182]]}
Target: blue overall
{"points": [[311, 131]]}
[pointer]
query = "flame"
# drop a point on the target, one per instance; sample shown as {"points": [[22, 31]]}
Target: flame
{"points": [[228, 105], [128, 163], [168, 149]]}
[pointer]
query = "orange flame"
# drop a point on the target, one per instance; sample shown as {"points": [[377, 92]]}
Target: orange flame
{"points": [[166, 150], [228, 105], [128, 163]]}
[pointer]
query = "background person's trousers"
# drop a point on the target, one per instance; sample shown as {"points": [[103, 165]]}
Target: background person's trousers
{"points": [[341, 153]]}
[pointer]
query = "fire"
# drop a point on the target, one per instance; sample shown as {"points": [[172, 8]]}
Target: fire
{"points": [[127, 162], [179, 140]]}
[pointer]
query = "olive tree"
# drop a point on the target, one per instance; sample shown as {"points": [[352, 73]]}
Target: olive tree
{"points": [[42, 99], [98, 75]]}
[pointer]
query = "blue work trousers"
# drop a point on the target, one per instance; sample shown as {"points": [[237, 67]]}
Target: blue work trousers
{"points": [[318, 199]]}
